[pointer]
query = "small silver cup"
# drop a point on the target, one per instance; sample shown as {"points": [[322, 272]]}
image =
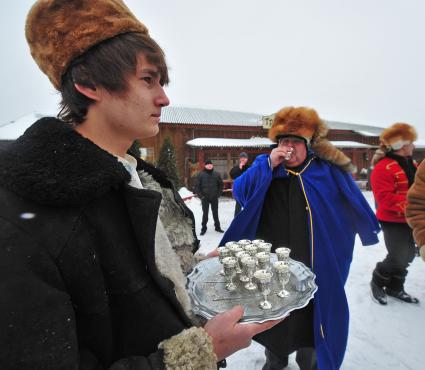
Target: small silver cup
{"points": [[251, 249], [282, 254], [222, 252], [257, 241], [229, 265], [283, 273], [263, 260], [249, 265], [264, 247], [264, 281], [240, 256]]}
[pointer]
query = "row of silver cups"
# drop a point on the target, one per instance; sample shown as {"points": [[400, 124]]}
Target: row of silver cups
{"points": [[248, 264]]}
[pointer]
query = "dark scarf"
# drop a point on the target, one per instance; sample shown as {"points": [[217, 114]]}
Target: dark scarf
{"points": [[406, 163]]}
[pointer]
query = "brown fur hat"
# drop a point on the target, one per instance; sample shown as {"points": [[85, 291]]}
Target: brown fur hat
{"points": [[397, 135], [305, 122], [58, 31], [393, 138], [299, 121]]}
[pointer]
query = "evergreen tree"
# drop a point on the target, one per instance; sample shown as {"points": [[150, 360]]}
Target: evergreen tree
{"points": [[167, 162]]}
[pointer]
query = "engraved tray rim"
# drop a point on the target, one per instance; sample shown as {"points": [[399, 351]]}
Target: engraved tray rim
{"points": [[199, 308]]}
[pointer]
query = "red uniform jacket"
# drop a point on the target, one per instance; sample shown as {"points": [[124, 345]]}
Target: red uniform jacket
{"points": [[389, 186]]}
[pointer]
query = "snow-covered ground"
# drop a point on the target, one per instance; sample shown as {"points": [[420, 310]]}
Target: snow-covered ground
{"points": [[381, 337]]}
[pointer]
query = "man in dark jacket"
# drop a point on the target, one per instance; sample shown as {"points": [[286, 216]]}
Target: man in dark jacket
{"points": [[238, 170], [209, 187], [90, 270]]}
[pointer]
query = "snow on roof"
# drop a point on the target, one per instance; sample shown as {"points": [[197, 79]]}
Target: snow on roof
{"points": [[256, 142], [420, 144], [198, 116], [365, 130], [351, 144]]}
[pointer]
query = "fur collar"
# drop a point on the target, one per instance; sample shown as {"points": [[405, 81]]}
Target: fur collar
{"points": [[53, 164]]}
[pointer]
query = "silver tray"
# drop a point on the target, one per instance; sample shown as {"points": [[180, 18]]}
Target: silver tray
{"points": [[209, 296]]}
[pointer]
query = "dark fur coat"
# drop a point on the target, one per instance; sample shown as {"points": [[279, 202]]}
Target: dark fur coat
{"points": [[79, 284]]}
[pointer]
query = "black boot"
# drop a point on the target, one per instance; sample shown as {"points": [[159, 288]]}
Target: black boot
{"points": [[218, 229], [402, 296], [273, 362], [203, 231], [377, 285], [306, 358], [378, 293], [396, 289]]}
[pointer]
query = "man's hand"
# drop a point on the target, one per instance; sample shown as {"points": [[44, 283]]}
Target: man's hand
{"points": [[213, 253], [229, 336], [279, 155]]}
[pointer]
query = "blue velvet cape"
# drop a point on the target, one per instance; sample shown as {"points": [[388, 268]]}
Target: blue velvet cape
{"points": [[337, 212]]}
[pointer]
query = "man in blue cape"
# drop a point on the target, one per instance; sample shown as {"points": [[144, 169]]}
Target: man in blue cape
{"points": [[303, 196]]}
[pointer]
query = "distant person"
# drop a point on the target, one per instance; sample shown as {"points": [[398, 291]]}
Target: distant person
{"points": [[302, 195], [209, 187], [90, 277], [415, 211], [238, 170], [393, 174]]}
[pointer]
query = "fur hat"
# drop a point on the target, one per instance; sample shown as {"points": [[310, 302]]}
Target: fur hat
{"points": [[58, 31], [297, 121], [398, 135], [305, 123], [394, 138]]}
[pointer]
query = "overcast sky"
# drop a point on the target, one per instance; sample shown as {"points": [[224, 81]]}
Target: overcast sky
{"points": [[359, 61]]}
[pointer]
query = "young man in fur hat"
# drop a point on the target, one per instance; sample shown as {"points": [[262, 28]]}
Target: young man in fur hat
{"points": [[302, 196], [90, 269], [392, 175], [415, 210], [238, 170]]}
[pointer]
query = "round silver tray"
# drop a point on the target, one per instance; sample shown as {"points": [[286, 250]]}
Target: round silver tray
{"points": [[209, 296]]}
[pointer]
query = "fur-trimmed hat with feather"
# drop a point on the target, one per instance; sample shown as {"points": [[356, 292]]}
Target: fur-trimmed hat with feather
{"points": [[305, 123], [58, 31], [394, 138]]}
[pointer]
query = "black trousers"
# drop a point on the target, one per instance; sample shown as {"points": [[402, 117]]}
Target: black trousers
{"points": [[305, 358], [205, 209], [392, 271]]}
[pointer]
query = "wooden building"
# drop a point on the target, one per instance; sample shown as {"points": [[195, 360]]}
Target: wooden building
{"points": [[200, 134]]}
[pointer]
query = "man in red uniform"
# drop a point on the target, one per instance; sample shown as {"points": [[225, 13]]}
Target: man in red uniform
{"points": [[393, 173]]}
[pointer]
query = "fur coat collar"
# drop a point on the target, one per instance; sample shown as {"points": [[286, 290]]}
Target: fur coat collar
{"points": [[54, 165]]}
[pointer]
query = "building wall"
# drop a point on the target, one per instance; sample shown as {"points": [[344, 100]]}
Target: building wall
{"points": [[186, 156], [189, 160]]}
